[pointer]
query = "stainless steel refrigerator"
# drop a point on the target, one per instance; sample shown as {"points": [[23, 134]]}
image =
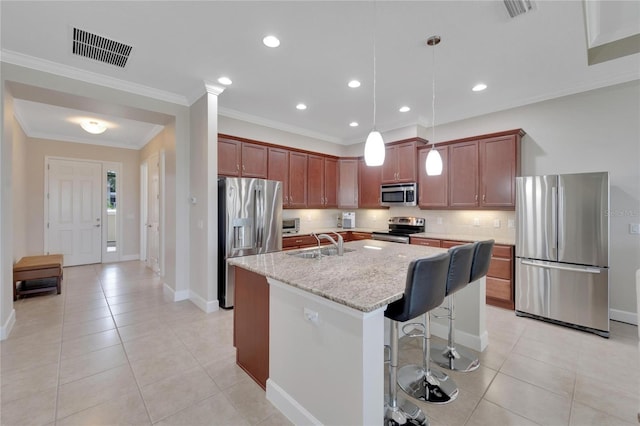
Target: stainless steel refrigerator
{"points": [[562, 249], [249, 222]]}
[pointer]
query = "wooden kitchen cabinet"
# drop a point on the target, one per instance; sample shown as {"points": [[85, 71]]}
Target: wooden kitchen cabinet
{"points": [[359, 235], [482, 172], [420, 241], [433, 191], [322, 182], [348, 183], [297, 180], [400, 162], [369, 181], [241, 159], [278, 168]]}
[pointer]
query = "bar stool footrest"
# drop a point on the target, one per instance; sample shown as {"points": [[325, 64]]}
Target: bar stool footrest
{"points": [[456, 360]]}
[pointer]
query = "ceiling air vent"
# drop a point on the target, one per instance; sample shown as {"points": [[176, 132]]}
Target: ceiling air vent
{"points": [[100, 48], [518, 7]]}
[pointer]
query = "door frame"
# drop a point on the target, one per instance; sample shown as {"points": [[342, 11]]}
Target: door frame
{"points": [[108, 257], [103, 211], [144, 209]]}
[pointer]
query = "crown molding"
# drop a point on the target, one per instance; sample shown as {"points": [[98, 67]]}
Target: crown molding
{"points": [[72, 139], [152, 134], [226, 112], [44, 65]]}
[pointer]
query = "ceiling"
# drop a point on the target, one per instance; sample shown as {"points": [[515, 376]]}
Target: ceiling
{"points": [[180, 45]]}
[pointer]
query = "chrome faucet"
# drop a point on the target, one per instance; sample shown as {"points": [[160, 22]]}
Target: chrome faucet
{"points": [[339, 244]]}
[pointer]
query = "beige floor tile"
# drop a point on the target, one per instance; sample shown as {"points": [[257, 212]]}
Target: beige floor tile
{"points": [[527, 400], [278, 419], [38, 327], [156, 367], [85, 305], [250, 401], [73, 331], [17, 384], [17, 355], [152, 344], [176, 392], [124, 410], [86, 315], [43, 336], [89, 343], [36, 409], [554, 379], [606, 396], [496, 353], [453, 413], [490, 414], [215, 407], [88, 364], [582, 415], [211, 351], [94, 390], [225, 372], [138, 330], [563, 355], [476, 382], [128, 318]]}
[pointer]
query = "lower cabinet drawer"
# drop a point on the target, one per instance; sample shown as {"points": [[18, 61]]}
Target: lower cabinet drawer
{"points": [[498, 288], [500, 268], [425, 242]]}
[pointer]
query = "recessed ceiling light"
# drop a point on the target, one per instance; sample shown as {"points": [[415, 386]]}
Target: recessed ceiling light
{"points": [[354, 83], [301, 106], [353, 124], [271, 41], [479, 87], [225, 80], [404, 109], [94, 127]]}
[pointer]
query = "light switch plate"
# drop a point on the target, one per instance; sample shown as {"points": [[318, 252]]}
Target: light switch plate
{"points": [[439, 220], [634, 228], [496, 223], [476, 221], [511, 223]]}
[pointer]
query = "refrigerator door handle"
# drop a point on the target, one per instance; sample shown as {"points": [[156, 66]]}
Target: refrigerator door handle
{"points": [[258, 216], [554, 218], [561, 218], [584, 269]]}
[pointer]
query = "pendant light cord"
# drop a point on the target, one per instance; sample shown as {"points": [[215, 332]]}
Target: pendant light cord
{"points": [[433, 100], [375, 20]]}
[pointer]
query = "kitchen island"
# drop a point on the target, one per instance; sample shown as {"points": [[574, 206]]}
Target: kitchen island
{"points": [[326, 327]]}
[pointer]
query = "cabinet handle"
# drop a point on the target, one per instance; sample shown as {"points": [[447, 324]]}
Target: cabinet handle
{"points": [[243, 167], [476, 197], [237, 168], [484, 197]]}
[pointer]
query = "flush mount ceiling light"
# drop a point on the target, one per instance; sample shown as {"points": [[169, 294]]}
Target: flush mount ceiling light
{"points": [[374, 150], [404, 109], [271, 41], [479, 87], [353, 124], [354, 84], [94, 127], [301, 106], [433, 164], [225, 81]]}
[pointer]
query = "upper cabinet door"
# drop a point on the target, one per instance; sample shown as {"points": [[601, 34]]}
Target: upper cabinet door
{"points": [[254, 161], [498, 171], [433, 191], [463, 167], [278, 168], [369, 181], [229, 152], [348, 184], [406, 158], [315, 181], [330, 182], [297, 180], [390, 165]]}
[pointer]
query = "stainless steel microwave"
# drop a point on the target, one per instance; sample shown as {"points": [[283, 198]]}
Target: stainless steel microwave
{"points": [[399, 194], [291, 226]]}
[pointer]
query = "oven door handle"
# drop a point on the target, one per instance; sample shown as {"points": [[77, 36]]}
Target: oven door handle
{"points": [[391, 238]]}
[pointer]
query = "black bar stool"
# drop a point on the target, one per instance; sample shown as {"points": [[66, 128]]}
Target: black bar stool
{"points": [[424, 290], [423, 382], [451, 357]]}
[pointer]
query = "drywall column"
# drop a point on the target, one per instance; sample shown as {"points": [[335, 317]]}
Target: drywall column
{"points": [[203, 216]]}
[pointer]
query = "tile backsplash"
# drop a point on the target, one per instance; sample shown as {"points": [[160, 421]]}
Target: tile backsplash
{"points": [[481, 223]]}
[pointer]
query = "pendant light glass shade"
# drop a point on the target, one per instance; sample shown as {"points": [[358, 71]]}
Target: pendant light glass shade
{"points": [[433, 165], [374, 150]]}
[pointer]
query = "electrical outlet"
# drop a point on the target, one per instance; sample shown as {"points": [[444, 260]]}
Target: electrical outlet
{"points": [[634, 228], [496, 223], [439, 220], [511, 223], [476, 221]]}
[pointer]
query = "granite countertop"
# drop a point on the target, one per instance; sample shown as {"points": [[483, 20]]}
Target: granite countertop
{"points": [[368, 278], [461, 237]]}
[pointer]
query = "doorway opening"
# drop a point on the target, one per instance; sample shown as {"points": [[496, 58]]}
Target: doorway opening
{"points": [[112, 210]]}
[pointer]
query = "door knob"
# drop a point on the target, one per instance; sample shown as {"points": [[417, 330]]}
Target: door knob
{"points": [[97, 226]]}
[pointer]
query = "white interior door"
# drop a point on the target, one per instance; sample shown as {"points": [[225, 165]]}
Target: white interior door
{"points": [[153, 213], [74, 211]]}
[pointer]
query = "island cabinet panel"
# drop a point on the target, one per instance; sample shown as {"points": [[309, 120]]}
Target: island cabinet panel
{"points": [[254, 161], [357, 235], [251, 324], [278, 167], [501, 277], [400, 163], [229, 157], [463, 175], [297, 180], [348, 183], [499, 166], [369, 180], [433, 191], [430, 242]]}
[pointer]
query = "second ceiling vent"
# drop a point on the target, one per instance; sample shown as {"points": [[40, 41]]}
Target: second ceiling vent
{"points": [[100, 48]]}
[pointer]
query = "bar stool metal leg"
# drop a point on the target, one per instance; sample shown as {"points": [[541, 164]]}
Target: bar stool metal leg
{"points": [[398, 411], [451, 357], [421, 382]]}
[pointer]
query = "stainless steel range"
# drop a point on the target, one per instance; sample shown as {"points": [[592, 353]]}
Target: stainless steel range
{"points": [[400, 228]]}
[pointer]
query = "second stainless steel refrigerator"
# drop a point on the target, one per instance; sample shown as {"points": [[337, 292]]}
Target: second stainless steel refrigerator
{"points": [[249, 222], [562, 249]]}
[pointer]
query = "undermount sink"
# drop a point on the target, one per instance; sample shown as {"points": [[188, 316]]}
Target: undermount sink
{"points": [[315, 253]]}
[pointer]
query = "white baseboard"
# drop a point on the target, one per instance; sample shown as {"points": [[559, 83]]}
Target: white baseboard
{"points": [[477, 343], [623, 316], [129, 257], [206, 306], [176, 296], [8, 325], [288, 406]]}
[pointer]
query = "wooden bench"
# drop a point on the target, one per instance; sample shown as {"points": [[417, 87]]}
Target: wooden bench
{"points": [[37, 268]]}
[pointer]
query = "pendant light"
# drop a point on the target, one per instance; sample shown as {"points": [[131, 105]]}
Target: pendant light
{"points": [[433, 164], [374, 150]]}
